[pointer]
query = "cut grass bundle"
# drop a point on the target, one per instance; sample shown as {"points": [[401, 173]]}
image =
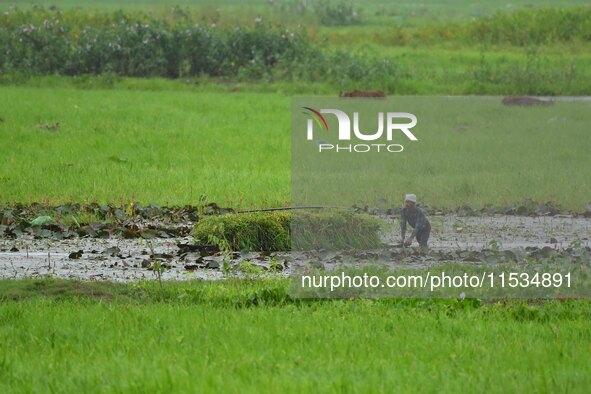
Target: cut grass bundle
{"points": [[334, 229], [283, 230], [251, 231]]}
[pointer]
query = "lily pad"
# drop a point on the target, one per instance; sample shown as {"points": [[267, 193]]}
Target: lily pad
{"points": [[41, 220], [75, 255]]}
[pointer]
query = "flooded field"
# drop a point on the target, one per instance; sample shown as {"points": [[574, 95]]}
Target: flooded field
{"points": [[454, 238]]}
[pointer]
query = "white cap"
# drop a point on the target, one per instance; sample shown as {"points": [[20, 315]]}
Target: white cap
{"points": [[411, 197]]}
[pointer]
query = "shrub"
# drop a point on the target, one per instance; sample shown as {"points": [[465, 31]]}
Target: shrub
{"points": [[341, 14], [533, 27], [44, 42], [54, 42]]}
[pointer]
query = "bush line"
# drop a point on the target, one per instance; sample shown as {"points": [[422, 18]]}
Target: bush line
{"points": [[46, 42]]}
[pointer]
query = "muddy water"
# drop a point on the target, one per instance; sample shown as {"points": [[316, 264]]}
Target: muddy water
{"points": [[124, 260], [474, 233], [101, 259]]}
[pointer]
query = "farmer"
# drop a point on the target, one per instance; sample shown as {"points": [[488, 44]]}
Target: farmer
{"points": [[416, 218]]}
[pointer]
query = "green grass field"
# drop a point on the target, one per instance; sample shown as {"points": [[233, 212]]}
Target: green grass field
{"points": [[113, 143], [235, 149], [211, 338]]}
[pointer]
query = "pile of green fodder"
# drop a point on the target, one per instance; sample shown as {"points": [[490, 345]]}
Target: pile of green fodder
{"points": [[330, 229]]}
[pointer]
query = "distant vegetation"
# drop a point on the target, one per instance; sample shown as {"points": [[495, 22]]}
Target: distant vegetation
{"points": [[341, 13], [42, 42], [517, 28], [180, 44]]}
